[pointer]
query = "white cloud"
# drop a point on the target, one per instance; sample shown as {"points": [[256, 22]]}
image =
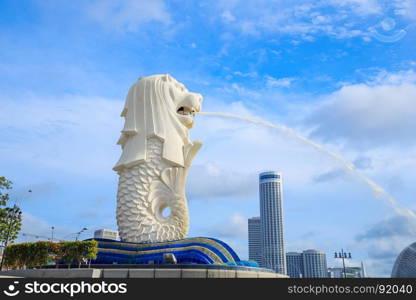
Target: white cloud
{"points": [[384, 240], [31, 223], [303, 18], [363, 162], [278, 82], [235, 226], [306, 20], [248, 74], [34, 229], [395, 226], [329, 176], [376, 114], [383, 77], [67, 133], [128, 15], [382, 254], [227, 16], [300, 245], [406, 8], [210, 182], [360, 7]]}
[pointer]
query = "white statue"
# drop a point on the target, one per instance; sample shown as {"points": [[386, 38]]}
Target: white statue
{"points": [[157, 154]]}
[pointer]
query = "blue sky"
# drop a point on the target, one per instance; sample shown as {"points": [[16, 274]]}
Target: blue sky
{"points": [[340, 72]]}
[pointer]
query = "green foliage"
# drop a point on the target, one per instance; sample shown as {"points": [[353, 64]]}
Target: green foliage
{"points": [[27, 254], [43, 252], [10, 223], [78, 250], [5, 184], [10, 217]]}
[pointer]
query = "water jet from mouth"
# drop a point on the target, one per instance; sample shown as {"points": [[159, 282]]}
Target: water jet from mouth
{"points": [[377, 190]]}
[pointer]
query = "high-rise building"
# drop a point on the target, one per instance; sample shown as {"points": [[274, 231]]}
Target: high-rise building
{"points": [[271, 215], [314, 264], [106, 234], [294, 264], [254, 240]]}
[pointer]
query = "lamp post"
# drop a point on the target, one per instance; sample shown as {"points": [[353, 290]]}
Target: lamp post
{"points": [[79, 233], [344, 256], [12, 213]]}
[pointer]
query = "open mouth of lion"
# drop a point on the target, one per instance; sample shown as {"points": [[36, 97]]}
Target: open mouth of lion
{"points": [[186, 111], [186, 115]]}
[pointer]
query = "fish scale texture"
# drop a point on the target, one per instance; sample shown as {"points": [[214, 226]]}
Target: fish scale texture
{"points": [[144, 191]]}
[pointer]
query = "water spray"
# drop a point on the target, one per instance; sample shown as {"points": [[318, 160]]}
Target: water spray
{"points": [[377, 190]]}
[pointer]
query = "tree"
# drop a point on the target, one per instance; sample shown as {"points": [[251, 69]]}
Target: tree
{"points": [[78, 251], [10, 217], [5, 184], [37, 254]]}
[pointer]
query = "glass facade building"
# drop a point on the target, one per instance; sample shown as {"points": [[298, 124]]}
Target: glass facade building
{"points": [[271, 216], [314, 264], [254, 240], [294, 263]]}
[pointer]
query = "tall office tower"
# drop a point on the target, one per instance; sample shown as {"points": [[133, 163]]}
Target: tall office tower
{"points": [[271, 216], [294, 263], [254, 240], [314, 264]]}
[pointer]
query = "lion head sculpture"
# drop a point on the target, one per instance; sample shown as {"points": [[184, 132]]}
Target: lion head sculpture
{"points": [[158, 106]]}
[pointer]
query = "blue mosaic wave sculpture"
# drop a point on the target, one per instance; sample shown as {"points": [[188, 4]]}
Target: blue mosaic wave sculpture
{"points": [[198, 250]]}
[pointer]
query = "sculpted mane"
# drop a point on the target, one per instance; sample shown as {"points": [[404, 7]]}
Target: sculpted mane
{"points": [[150, 111]]}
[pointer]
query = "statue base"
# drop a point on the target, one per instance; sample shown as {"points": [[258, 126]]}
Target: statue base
{"points": [[188, 258], [197, 251], [144, 271]]}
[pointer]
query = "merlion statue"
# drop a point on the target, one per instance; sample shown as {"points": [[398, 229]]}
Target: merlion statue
{"points": [[156, 156]]}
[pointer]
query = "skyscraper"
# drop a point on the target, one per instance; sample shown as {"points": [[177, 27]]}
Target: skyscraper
{"points": [[294, 263], [271, 216], [254, 240], [314, 264]]}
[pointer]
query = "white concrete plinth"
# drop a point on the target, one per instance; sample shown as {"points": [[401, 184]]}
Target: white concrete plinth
{"points": [[54, 273], [115, 273], [141, 273]]}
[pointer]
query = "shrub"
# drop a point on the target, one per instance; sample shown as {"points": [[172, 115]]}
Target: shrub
{"points": [[43, 252]]}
